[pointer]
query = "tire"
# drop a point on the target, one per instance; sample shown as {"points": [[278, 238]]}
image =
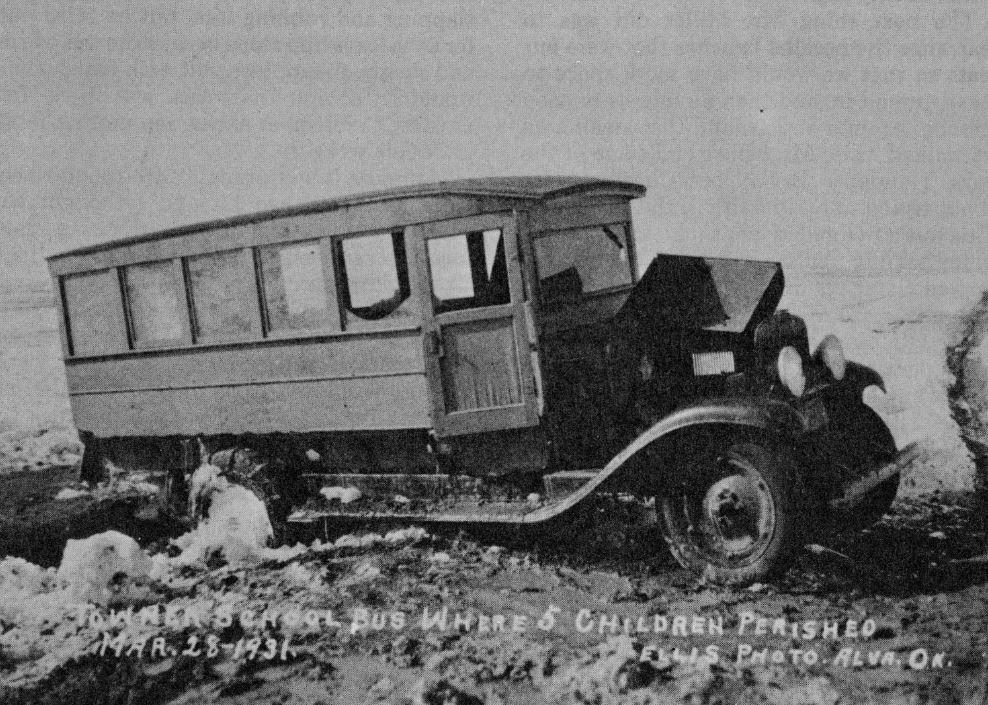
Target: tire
{"points": [[738, 516]]}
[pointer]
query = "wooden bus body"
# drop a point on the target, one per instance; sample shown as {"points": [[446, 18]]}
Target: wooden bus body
{"points": [[405, 324]]}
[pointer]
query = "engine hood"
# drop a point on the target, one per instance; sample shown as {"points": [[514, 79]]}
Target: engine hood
{"points": [[704, 293]]}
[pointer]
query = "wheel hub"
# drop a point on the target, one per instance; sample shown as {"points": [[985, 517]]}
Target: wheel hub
{"points": [[738, 508]]}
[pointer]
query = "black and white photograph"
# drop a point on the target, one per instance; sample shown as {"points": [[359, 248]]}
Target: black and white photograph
{"points": [[436, 353]]}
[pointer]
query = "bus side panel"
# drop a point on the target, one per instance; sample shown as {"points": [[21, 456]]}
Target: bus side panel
{"points": [[348, 383]]}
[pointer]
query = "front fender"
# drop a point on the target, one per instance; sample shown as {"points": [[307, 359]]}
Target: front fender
{"points": [[774, 417], [859, 377], [763, 415]]}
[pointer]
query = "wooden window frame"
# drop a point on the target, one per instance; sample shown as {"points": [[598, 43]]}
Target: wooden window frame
{"points": [[324, 245], [342, 284]]}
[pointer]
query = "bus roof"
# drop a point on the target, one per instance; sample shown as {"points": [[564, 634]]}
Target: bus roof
{"points": [[524, 188]]}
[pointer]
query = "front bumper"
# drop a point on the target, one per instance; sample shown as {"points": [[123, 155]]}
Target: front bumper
{"points": [[853, 493]]}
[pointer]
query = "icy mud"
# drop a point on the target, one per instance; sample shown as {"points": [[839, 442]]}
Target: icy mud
{"points": [[893, 614], [411, 617]]}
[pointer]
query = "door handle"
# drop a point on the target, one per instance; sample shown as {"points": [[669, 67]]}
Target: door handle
{"points": [[435, 344]]}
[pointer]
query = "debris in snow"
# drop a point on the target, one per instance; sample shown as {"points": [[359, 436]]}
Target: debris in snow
{"points": [[412, 534], [601, 676], [119, 483], [284, 553], [362, 573], [401, 499], [938, 535], [352, 541], [344, 494], [132, 486], [756, 587], [204, 481], [92, 565], [409, 535], [492, 555], [44, 448], [534, 498], [819, 550], [298, 574], [67, 493], [973, 560], [366, 571], [313, 455]]}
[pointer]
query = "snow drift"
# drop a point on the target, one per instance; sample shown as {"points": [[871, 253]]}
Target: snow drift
{"points": [[92, 566]]}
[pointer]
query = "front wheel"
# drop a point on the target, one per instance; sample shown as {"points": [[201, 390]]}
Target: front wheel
{"points": [[736, 517]]}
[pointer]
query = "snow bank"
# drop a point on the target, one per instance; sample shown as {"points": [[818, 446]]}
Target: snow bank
{"points": [[91, 566], [24, 586], [234, 523], [39, 449]]}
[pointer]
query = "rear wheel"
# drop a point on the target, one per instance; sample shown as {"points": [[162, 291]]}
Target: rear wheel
{"points": [[737, 516]]}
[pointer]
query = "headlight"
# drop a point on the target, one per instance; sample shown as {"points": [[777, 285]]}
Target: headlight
{"points": [[831, 353], [790, 367]]}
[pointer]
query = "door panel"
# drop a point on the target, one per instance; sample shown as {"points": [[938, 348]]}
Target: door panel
{"points": [[480, 365], [475, 326]]}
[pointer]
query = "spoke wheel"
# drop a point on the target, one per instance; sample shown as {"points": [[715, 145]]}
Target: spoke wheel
{"points": [[735, 517]]}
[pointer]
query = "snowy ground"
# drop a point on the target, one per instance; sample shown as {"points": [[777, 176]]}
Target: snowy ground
{"points": [[917, 574]]}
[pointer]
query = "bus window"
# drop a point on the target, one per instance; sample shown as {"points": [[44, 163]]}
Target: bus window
{"points": [[92, 302], [293, 286], [220, 309], [374, 279], [582, 260], [468, 271], [153, 298]]}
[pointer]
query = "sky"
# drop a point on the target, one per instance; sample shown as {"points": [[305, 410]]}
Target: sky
{"points": [[835, 134]]}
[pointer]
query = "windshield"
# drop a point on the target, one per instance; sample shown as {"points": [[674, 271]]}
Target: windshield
{"points": [[583, 260]]}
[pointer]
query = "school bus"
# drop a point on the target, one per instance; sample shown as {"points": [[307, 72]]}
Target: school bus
{"points": [[480, 337]]}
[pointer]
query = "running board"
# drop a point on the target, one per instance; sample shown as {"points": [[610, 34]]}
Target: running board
{"points": [[455, 499]]}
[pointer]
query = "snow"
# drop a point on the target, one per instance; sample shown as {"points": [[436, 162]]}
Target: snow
{"points": [[410, 535], [67, 493], [92, 565], [235, 522], [344, 494], [137, 484], [39, 449]]}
